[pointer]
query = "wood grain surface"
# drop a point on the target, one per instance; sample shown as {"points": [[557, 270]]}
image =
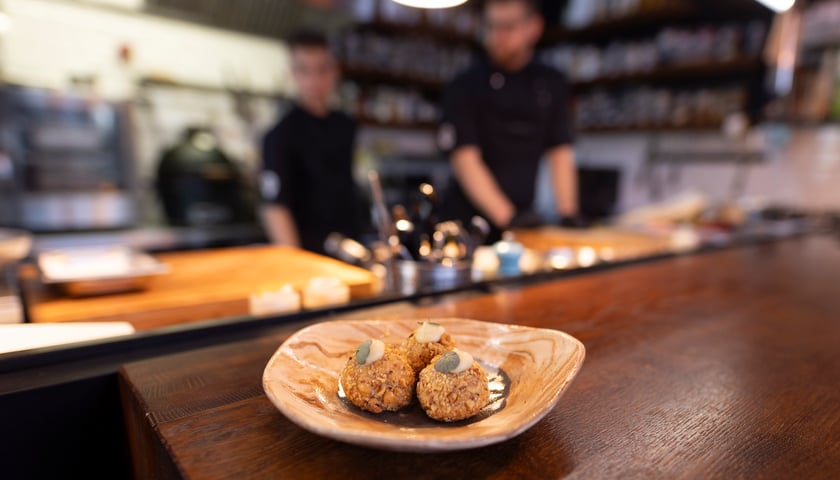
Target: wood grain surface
{"points": [[720, 365], [201, 285], [621, 243]]}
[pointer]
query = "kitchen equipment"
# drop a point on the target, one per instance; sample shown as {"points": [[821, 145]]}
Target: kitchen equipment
{"points": [[450, 241], [479, 230], [384, 222], [98, 271], [199, 185], [65, 161], [407, 231], [388, 234], [426, 204], [14, 246], [347, 250], [429, 276]]}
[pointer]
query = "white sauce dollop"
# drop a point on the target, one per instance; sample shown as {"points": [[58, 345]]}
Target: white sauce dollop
{"points": [[377, 350], [466, 361], [428, 332]]}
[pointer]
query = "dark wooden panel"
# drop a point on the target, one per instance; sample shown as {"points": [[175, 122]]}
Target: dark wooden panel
{"points": [[71, 430]]}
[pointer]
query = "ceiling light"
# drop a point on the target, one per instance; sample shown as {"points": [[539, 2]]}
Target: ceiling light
{"points": [[431, 3], [5, 22], [777, 6]]}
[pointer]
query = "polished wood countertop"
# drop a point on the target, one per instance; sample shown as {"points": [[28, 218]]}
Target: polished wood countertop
{"points": [[201, 285], [717, 365]]}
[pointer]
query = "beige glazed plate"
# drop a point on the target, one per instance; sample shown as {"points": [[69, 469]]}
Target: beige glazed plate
{"points": [[527, 368]]}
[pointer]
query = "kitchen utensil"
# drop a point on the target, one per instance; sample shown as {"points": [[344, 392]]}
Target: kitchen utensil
{"points": [[347, 250], [399, 250], [478, 230], [406, 230], [425, 276], [451, 241], [385, 224], [427, 203], [425, 250]]}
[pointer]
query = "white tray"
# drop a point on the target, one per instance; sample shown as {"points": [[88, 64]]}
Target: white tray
{"points": [[97, 271]]}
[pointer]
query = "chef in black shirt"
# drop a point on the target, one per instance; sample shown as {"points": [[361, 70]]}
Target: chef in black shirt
{"points": [[501, 117], [307, 182]]}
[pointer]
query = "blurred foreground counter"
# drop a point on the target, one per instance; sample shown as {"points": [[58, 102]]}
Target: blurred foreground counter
{"points": [[200, 285], [715, 365]]}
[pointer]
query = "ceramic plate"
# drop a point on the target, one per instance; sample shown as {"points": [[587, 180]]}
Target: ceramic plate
{"points": [[527, 368]]}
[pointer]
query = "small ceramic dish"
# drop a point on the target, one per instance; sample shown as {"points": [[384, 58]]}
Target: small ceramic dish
{"points": [[528, 369]]}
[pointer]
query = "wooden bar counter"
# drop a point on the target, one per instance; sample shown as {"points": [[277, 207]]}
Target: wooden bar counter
{"points": [[717, 365]]}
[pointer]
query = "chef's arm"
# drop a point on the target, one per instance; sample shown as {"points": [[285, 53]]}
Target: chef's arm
{"points": [[564, 180], [280, 225], [480, 186]]}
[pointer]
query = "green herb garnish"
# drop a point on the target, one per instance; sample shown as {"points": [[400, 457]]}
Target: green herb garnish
{"points": [[362, 352], [448, 362]]}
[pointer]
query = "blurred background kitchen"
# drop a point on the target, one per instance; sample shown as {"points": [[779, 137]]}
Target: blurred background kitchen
{"points": [[671, 96], [139, 122]]}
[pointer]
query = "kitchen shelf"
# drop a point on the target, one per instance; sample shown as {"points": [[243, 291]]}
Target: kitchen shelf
{"points": [[799, 123], [150, 81], [372, 122], [375, 75], [677, 72], [693, 127], [610, 28], [421, 30], [821, 43]]}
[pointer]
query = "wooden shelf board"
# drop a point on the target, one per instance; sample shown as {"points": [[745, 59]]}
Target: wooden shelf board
{"points": [[620, 25], [382, 76], [372, 122], [677, 72], [423, 29], [697, 127]]}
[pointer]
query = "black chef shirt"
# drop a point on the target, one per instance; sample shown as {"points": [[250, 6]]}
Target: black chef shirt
{"points": [[308, 167], [514, 118]]}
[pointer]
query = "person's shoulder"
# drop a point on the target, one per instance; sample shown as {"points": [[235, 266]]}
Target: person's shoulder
{"points": [[284, 129], [468, 78], [343, 117], [550, 73], [275, 131], [287, 120]]}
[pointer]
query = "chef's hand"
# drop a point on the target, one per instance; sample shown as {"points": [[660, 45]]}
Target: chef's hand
{"points": [[572, 222], [526, 219]]}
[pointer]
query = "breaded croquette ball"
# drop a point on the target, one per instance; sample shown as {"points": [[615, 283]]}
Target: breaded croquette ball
{"points": [[425, 343], [378, 378], [453, 387]]}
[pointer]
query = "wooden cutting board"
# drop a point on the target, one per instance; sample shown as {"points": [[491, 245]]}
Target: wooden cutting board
{"points": [[201, 285], [625, 244]]}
